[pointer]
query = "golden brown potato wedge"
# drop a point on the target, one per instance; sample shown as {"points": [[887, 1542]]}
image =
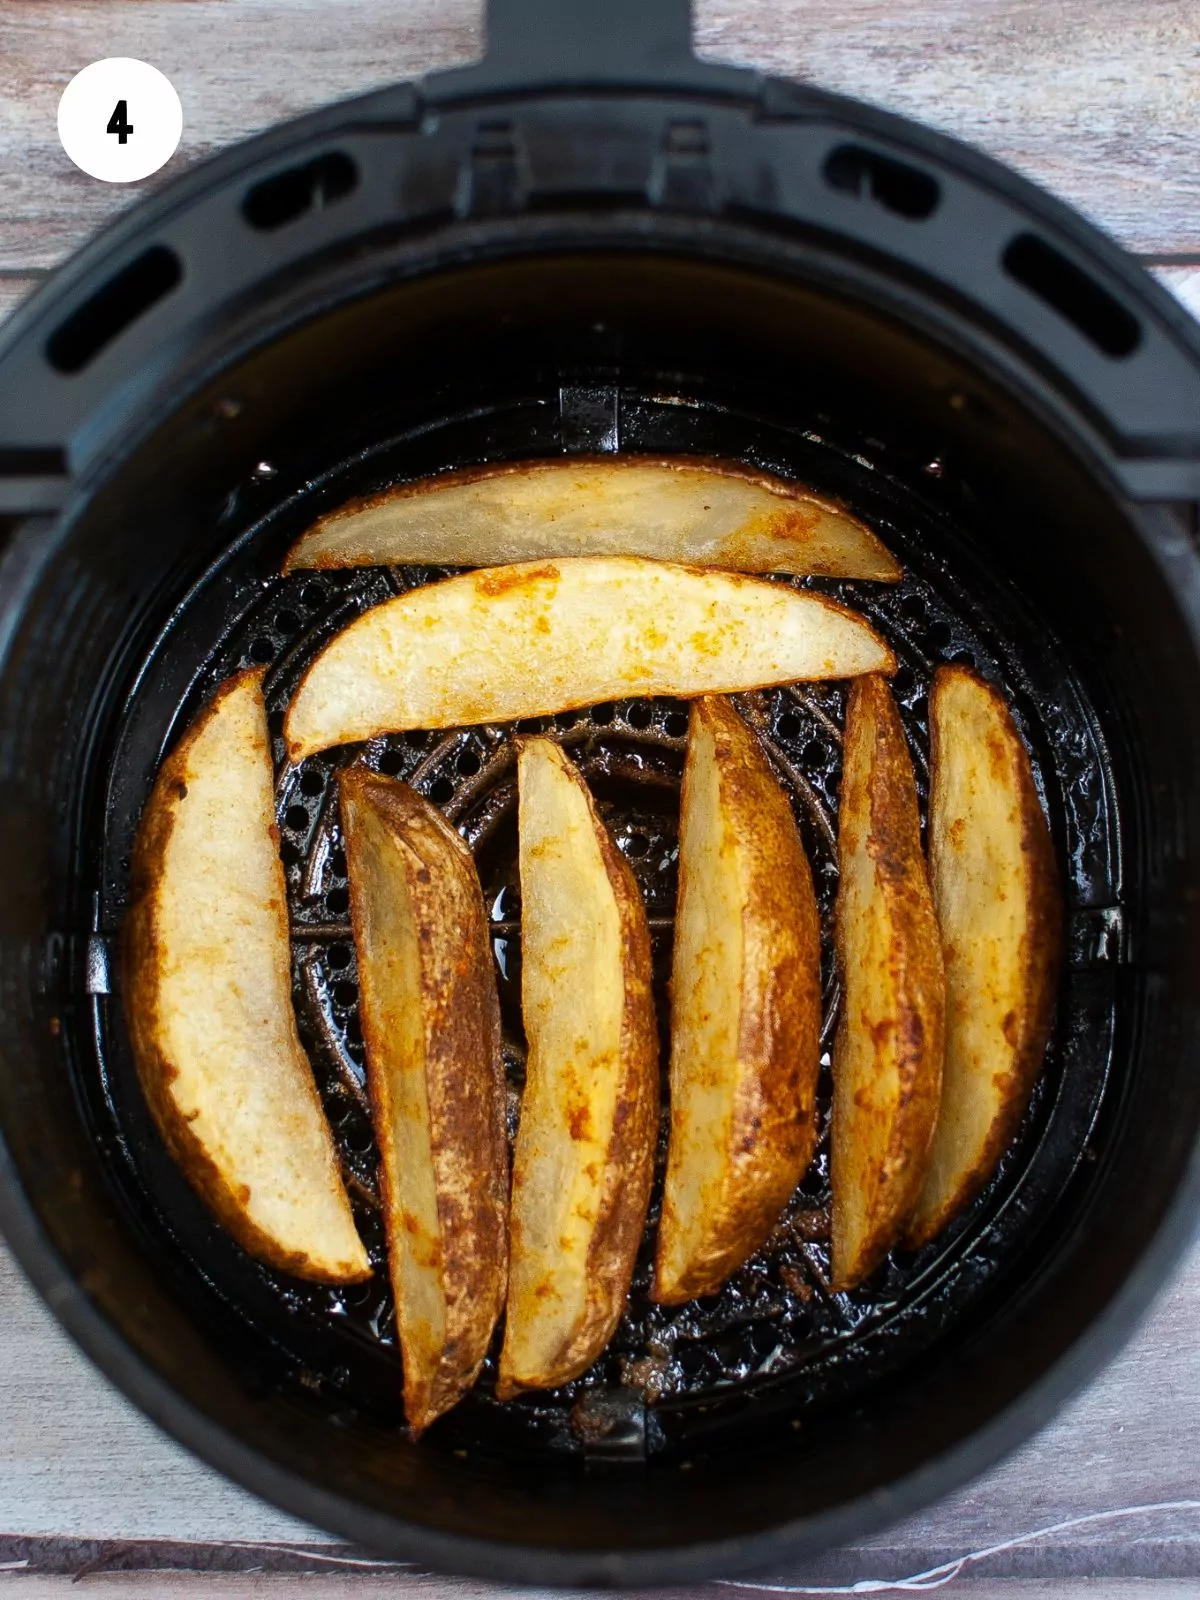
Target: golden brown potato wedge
{"points": [[745, 1011], [525, 641], [887, 1059], [208, 999], [707, 513], [431, 1026], [585, 1146], [995, 889]]}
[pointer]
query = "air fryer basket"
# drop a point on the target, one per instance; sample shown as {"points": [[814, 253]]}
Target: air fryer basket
{"points": [[575, 253]]}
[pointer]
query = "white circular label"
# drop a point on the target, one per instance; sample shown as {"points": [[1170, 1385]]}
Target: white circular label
{"points": [[120, 119]]}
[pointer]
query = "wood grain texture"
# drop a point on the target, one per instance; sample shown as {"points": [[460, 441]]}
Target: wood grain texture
{"points": [[1094, 98], [77, 1459], [238, 65], [266, 1586], [1184, 284], [14, 287]]}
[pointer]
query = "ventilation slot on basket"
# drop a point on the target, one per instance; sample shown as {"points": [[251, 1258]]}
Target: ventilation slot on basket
{"points": [[1067, 289], [33, 461], [897, 187], [282, 199], [123, 299]]}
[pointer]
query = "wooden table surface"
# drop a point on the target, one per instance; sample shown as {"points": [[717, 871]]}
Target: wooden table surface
{"points": [[1097, 99]]}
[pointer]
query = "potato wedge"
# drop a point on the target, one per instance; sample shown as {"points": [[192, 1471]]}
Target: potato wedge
{"points": [[995, 890], [711, 514], [208, 999], [525, 641], [431, 1026], [887, 1059], [589, 1118], [745, 1012]]}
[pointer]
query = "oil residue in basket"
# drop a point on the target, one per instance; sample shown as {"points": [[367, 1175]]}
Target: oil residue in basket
{"points": [[776, 1323]]}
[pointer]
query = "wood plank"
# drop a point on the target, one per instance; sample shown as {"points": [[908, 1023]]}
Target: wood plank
{"points": [[1095, 98], [77, 1460], [266, 1586], [14, 287], [238, 68], [76, 1457], [1184, 284]]}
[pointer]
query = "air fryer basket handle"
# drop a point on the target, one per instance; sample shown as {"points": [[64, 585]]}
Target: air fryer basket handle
{"points": [[579, 42], [585, 34]]}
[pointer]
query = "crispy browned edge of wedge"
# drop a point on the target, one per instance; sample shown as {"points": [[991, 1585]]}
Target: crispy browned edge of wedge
{"points": [[493, 581], [1044, 953], [901, 873], [774, 1123], [139, 959], [785, 490], [470, 1151], [629, 1164]]}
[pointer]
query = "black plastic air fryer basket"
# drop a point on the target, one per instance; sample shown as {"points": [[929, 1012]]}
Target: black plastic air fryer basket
{"points": [[591, 243]]}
